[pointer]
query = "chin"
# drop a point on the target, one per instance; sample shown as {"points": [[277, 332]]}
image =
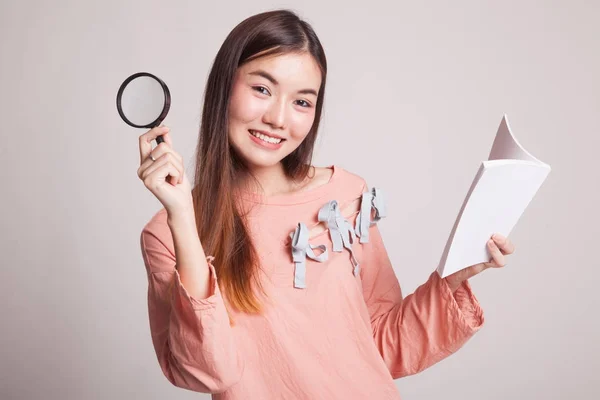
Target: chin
{"points": [[254, 159], [258, 158], [259, 163]]}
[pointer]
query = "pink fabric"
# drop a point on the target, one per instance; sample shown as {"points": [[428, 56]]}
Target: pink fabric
{"points": [[341, 337]]}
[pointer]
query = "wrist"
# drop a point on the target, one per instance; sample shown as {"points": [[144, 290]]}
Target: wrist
{"points": [[181, 216]]}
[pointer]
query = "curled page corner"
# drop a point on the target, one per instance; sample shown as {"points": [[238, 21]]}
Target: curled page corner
{"points": [[507, 147]]}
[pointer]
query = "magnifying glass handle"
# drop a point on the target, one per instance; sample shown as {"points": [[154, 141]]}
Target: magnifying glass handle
{"points": [[159, 139]]}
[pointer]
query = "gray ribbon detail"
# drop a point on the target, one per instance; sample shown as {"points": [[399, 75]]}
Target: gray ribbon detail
{"points": [[340, 230], [370, 200], [302, 249]]}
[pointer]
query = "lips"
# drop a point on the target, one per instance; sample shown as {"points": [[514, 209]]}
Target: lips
{"points": [[269, 134], [265, 142], [260, 135]]}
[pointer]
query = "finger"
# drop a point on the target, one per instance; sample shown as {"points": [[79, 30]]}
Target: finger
{"points": [[168, 158], [497, 256], [146, 163], [180, 169], [168, 139], [167, 146], [165, 173], [161, 173], [155, 165], [469, 272], [149, 166], [160, 150], [163, 148], [466, 273], [145, 141], [177, 162], [174, 174], [503, 243]]}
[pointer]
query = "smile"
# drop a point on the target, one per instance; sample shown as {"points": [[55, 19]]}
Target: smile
{"points": [[265, 138]]}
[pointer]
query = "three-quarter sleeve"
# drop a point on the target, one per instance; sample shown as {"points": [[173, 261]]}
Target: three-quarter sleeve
{"points": [[193, 339], [414, 332]]}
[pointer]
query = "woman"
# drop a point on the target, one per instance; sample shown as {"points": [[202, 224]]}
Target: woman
{"points": [[306, 304]]}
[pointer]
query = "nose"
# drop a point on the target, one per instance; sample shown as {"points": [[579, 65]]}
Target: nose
{"points": [[275, 115]]}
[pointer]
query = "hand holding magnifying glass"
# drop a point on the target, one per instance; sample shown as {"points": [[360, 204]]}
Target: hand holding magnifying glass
{"points": [[143, 101]]}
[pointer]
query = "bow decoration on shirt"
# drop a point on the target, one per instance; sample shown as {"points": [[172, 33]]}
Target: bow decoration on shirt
{"points": [[302, 249], [370, 200], [340, 230]]}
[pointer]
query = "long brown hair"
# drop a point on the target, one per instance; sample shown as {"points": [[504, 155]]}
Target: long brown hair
{"points": [[220, 222]]}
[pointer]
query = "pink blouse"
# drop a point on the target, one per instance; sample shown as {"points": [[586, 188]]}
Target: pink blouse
{"points": [[335, 325]]}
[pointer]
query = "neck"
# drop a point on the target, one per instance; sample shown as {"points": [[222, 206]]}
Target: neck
{"points": [[272, 181]]}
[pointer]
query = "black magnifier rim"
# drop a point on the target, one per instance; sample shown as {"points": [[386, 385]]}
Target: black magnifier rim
{"points": [[166, 106]]}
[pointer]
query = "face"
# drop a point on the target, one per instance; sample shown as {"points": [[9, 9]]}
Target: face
{"points": [[272, 107]]}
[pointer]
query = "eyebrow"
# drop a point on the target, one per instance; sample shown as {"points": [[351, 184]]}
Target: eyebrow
{"points": [[270, 78]]}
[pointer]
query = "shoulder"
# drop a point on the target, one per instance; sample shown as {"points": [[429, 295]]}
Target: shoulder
{"points": [[349, 182]]}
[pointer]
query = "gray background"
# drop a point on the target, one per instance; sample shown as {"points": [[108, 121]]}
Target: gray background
{"points": [[414, 98]]}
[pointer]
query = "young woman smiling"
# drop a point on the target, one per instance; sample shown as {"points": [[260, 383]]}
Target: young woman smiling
{"points": [[269, 279]]}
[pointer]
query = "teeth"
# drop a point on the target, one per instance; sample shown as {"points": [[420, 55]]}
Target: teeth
{"points": [[265, 138]]}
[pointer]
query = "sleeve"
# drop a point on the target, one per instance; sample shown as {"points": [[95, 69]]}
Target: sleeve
{"points": [[417, 331], [193, 339]]}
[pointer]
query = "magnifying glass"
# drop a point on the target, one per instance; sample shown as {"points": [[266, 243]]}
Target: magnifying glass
{"points": [[143, 101]]}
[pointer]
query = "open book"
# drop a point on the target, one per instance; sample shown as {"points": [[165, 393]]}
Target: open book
{"points": [[501, 191]]}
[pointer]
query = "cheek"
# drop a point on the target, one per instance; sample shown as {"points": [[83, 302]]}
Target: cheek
{"points": [[300, 125], [244, 107]]}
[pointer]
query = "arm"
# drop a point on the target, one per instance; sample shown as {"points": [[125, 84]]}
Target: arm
{"points": [[417, 331], [192, 264], [190, 329]]}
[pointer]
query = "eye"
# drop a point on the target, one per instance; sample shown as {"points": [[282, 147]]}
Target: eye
{"points": [[303, 103], [261, 90]]}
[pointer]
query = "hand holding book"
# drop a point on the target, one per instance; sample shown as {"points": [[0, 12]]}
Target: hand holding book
{"points": [[498, 246]]}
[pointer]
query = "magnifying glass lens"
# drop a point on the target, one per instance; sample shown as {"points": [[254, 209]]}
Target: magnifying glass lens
{"points": [[143, 100]]}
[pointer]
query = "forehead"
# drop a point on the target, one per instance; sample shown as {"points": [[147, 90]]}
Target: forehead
{"points": [[289, 69]]}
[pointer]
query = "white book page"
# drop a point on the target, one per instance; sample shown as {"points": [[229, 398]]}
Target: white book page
{"points": [[501, 191]]}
